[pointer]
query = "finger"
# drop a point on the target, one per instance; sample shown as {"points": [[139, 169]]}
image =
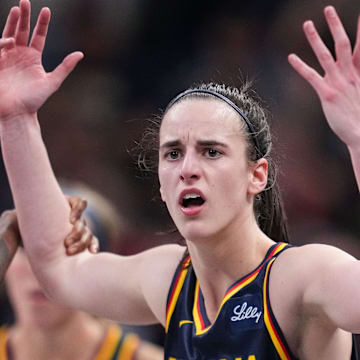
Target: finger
{"points": [[11, 23], [9, 214], [74, 249], [76, 233], [7, 43], [356, 55], [86, 239], [322, 53], [77, 206], [65, 68], [40, 31], [94, 244], [81, 245], [23, 26], [341, 40], [308, 73]]}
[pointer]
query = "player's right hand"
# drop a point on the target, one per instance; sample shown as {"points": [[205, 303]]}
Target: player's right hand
{"points": [[24, 84]]}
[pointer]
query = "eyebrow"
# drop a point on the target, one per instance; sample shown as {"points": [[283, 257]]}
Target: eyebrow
{"points": [[169, 144], [177, 143], [211, 143]]}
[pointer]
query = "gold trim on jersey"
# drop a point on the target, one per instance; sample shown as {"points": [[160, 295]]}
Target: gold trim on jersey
{"points": [[275, 337], [108, 348], [129, 347], [175, 292], [3, 342]]}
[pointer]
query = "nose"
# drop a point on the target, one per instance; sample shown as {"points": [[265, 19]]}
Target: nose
{"points": [[190, 167]]}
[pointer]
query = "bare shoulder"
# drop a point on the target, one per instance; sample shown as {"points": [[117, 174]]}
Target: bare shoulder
{"points": [[299, 268], [158, 268], [294, 274], [309, 258]]}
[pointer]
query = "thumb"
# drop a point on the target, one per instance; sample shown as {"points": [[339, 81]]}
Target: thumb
{"points": [[63, 70]]}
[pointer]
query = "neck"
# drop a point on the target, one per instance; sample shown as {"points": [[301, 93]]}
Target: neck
{"points": [[223, 259], [78, 338]]}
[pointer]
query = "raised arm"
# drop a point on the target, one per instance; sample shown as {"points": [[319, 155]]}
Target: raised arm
{"points": [[131, 289], [339, 88], [24, 87]]}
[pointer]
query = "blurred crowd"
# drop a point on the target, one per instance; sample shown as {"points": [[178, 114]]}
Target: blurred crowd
{"points": [[139, 54]]}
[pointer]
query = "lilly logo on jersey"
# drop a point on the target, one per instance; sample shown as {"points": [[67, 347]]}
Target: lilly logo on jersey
{"points": [[245, 312]]}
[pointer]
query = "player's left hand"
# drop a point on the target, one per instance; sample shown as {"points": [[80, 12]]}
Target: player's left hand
{"points": [[339, 87], [80, 237]]}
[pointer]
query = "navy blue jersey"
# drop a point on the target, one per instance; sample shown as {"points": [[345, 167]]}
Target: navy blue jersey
{"points": [[244, 329]]}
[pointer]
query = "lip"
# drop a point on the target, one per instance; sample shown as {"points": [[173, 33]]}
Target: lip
{"points": [[193, 210]]}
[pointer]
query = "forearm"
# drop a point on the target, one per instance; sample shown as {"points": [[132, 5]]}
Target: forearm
{"points": [[355, 159], [42, 210]]}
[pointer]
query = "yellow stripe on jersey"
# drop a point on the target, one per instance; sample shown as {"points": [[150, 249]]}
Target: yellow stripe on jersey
{"points": [[108, 348], [182, 322], [3, 341], [196, 313], [279, 346], [129, 347], [175, 294]]}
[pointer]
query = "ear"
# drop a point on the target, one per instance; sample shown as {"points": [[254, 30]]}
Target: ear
{"points": [[258, 176], [162, 194]]}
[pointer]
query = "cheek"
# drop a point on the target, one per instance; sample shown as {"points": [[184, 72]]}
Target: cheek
{"points": [[166, 178], [234, 186]]}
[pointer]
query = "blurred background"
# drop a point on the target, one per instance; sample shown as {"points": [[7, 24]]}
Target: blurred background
{"points": [[139, 54]]}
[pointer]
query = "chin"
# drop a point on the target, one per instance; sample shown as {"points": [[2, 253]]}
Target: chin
{"points": [[196, 232]]}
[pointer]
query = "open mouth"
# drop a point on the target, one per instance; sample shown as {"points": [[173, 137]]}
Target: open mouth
{"points": [[190, 200]]}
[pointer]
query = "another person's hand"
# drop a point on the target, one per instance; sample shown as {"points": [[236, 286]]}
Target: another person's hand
{"points": [[339, 87], [10, 230], [24, 84], [80, 237]]}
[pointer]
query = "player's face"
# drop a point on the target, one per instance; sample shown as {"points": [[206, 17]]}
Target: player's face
{"points": [[203, 169], [29, 302]]}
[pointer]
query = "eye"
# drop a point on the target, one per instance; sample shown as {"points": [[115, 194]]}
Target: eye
{"points": [[172, 155], [212, 153]]}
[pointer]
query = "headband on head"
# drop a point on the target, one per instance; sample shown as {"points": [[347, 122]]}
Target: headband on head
{"points": [[229, 102]]}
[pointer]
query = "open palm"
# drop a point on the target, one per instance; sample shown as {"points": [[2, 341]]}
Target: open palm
{"points": [[24, 84], [339, 88]]}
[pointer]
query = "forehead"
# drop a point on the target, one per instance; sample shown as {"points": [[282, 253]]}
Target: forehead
{"points": [[203, 117]]}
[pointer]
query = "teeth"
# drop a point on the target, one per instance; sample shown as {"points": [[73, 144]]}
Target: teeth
{"points": [[191, 196]]}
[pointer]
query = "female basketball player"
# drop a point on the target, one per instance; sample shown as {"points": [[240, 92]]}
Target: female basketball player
{"points": [[241, 294]]}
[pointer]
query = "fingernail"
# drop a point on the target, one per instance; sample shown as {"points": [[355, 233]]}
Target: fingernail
{"points": [[330, 10]]}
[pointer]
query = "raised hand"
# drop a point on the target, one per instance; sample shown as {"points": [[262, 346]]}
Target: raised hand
{"points": [[24, 84], [339, 88]]}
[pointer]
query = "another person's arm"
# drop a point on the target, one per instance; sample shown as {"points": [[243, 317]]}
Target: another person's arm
{"points": [[339, 88]]}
